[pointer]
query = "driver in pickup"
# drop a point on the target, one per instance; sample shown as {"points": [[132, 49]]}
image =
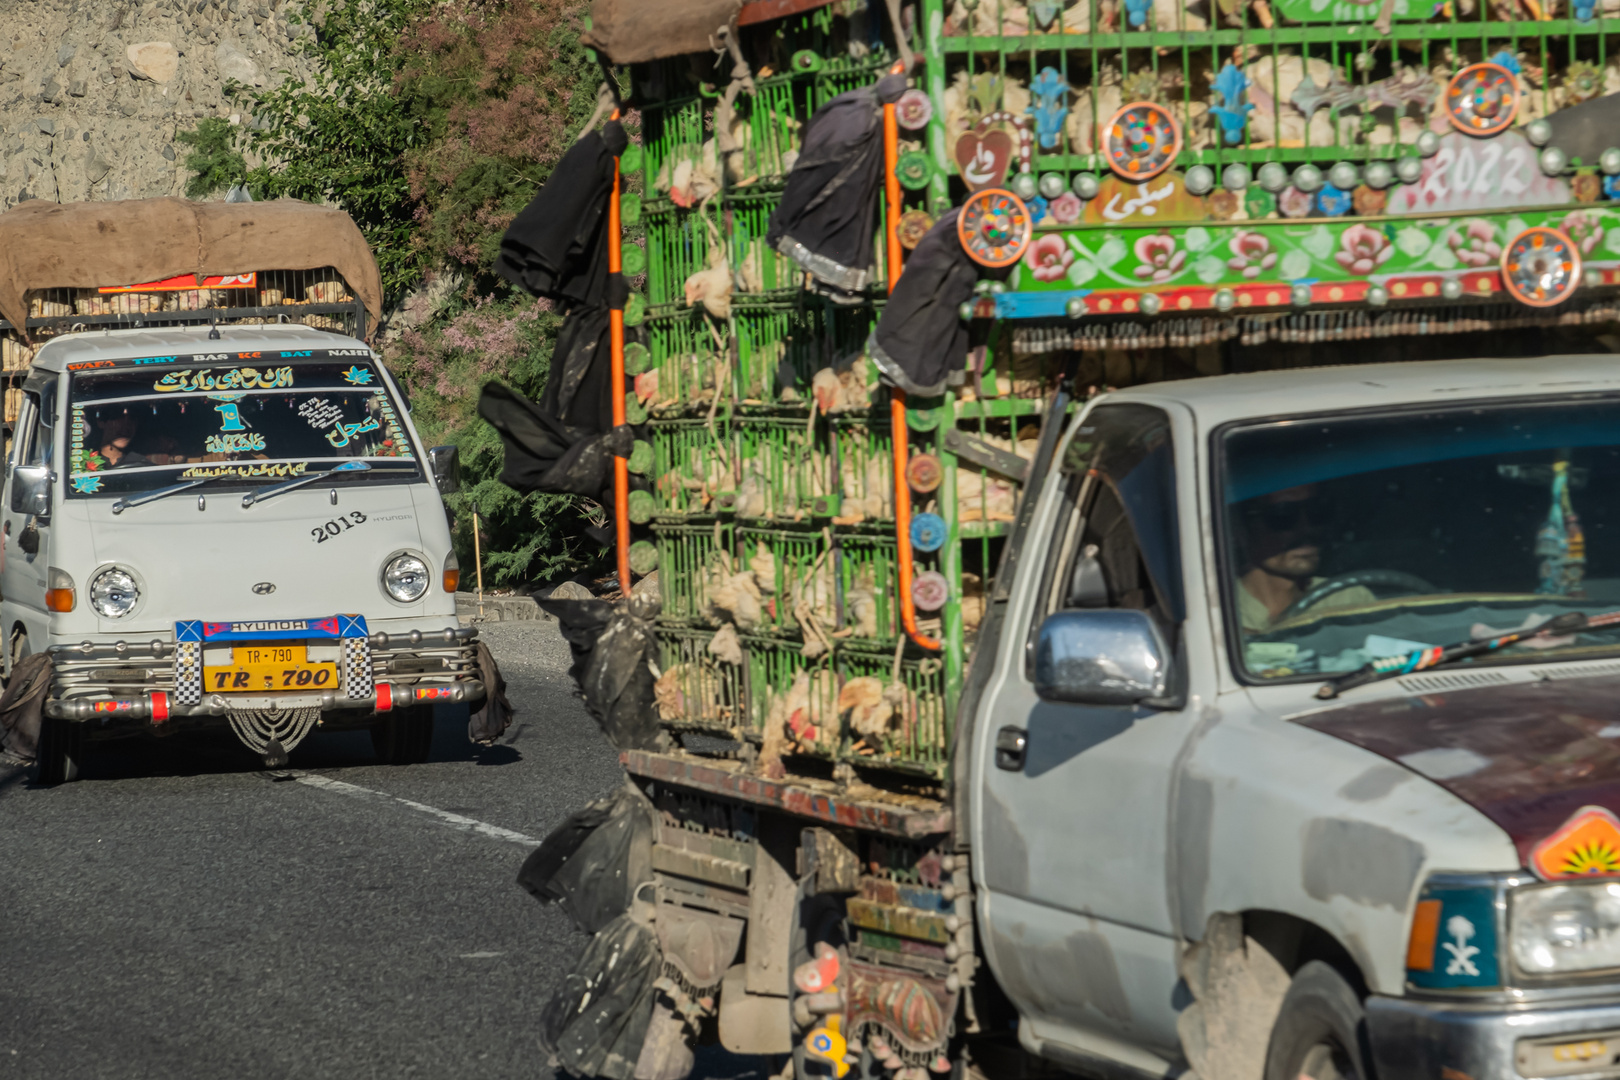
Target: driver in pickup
{"points": [[1280, 537]]}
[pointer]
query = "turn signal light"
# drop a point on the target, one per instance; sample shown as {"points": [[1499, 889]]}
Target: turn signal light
{"points": [[452, 573], [59, 599], [1425, 932]]}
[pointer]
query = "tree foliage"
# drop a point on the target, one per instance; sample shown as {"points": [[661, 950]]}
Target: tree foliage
{"points": [[432, 123]]}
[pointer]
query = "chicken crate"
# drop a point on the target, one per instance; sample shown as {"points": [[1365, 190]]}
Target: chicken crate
{"points": [[679, 244], [867, 574], [864, 445], [765, 129], [792, 569], [688, 366], [782, 473], [690, 557], [694, 468], [793, 698], [696, 689], [894, 710], [761, 273], [673, 134]]}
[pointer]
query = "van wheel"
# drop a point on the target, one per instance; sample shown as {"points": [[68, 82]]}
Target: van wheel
{"points": [[404, 736], [60, 750], [1321, 1031]]}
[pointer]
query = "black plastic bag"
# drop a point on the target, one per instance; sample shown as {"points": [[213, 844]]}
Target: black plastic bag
{"points": [[22, 705], [592, 864], [597, 1021], [612, 644], [494, 716]]}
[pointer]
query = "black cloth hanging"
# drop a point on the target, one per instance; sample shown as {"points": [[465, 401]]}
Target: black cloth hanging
{"points": [[612, 644], [542, 454], [556, 248], [920, 341], [829, 205]]}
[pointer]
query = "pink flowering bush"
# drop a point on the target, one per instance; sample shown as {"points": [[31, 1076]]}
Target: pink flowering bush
{"points": [[1363, 250], [1159, 258]]}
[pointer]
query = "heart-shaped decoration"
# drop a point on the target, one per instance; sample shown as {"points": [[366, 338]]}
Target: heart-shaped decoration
{"points": [[982, 159]]}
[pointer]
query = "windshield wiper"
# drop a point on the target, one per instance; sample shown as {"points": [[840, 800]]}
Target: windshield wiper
{"points": [[269, 493], [161, 493], [1390, 667]]}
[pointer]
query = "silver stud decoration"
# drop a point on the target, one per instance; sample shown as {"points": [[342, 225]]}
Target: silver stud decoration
{"points": [[1052, 185], [1273, 176], [1609, 161], [1300, 295], [1379, 175], [1377, 296], [1024, 186], [1085, 185], [1408, 169], [1451, 288], [1225, 300], [1344, 176], [1200, 179], [965, 311], [1553, 161], [1428, 143], [1308, 178], [1150, 304], [1593, 278], [1539, 132], [1235, 177], [1075, 308]]}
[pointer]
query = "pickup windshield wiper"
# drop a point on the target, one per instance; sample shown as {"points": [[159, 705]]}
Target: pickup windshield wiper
{"points": [[271, 492], [1390, 667]]}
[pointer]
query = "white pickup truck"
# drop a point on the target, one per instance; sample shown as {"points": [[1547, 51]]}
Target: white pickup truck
{"points": [[1303, 732]]}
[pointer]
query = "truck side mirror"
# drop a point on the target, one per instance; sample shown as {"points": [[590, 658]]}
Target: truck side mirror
{"points": [[1113, 656], [446, 464], [31, 490]]}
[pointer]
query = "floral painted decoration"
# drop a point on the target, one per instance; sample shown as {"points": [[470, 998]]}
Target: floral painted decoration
{"points": [[87, 485], [1475, 244], [1159, 257], [1332, 201], [1370, 201], [1049, 258], [1363, 250], [913, 110], [1251, 254], [1583, 229], [1233, 110], [1295, 203], [1586, 187], [1066, 208]]}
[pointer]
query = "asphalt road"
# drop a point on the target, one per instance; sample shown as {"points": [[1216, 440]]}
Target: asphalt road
{"points": [[177, 913]]}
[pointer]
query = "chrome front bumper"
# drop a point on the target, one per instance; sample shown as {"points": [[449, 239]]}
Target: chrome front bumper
{"points": [[1435, 1040], [130, 685]]}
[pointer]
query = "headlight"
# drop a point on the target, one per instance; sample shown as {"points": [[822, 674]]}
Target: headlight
{"points": [[1565, 928], [406, 578], [113, 593]]}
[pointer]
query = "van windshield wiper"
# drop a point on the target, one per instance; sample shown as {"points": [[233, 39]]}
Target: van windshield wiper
{"points": [[1390, 667], [161, 493], [271, 492]]}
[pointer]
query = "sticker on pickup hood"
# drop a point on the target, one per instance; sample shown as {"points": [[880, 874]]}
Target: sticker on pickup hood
{"points": [[1587, 845]]}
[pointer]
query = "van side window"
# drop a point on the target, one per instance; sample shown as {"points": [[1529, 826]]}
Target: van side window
{"points": [[25, 437], [42, 442], [1119, 547]]}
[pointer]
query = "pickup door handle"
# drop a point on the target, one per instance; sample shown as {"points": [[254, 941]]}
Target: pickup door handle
{"points": [[1010, 744]]}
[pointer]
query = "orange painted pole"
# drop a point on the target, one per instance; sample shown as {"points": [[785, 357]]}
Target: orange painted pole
{"points": [[897, 396], [621, 466]]}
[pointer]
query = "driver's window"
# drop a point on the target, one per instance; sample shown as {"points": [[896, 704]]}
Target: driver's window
{"points": [[26, 437], [42, 444]]}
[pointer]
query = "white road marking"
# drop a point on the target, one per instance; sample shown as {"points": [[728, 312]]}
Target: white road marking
{"points": [[443, 817], [480, 955]]}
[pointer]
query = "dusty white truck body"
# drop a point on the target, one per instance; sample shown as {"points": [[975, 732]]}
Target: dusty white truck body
{"points": [[1128, 858]]}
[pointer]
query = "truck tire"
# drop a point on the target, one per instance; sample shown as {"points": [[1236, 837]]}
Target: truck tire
{"points": [[404, 736], [60, 750], [1321, 1031]]}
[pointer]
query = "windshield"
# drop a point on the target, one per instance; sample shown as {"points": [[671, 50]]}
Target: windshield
{"points": [[133, 430], [1352, 538]]}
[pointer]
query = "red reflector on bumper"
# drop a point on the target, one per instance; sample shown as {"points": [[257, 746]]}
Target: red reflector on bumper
{"points": [[160, 706], [385, 697]]}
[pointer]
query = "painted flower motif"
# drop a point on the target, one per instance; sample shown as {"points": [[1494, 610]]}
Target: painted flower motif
{"points": [[1584, 229], [1363, 250], [1066, 208], [1049, 258], [1038, 207], [1159, 258], [1295, 203], [1475, 244], [1251, 254]]}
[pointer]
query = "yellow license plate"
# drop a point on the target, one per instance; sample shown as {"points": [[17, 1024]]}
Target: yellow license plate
{"points": [[261, 669]]}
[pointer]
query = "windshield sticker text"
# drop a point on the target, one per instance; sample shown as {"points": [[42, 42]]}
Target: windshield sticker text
{"points": [[337, 526], [280, 468], [233, 443], [341, 433], [235, 379], [320, 413]]}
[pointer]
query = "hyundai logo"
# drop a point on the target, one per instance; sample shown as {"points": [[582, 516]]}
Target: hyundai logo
{"points": [[264, 588]]}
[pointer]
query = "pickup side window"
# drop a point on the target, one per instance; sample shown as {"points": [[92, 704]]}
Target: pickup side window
{"points": [[1117, 545]]}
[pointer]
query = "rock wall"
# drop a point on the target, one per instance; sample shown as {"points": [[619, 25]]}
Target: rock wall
{"points": [[93, 91]]}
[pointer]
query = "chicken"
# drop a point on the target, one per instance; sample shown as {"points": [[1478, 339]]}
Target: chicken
{"points": [[763, 565], [868, 708], [735, 598], [647, 385], [725, 646], [711, 288]]}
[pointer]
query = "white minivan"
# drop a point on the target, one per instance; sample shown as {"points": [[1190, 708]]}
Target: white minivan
{"points": [[234, 526]]}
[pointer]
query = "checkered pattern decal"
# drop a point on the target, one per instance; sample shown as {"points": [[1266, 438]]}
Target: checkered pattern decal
{"points": [[357, 667], [188, 673]]}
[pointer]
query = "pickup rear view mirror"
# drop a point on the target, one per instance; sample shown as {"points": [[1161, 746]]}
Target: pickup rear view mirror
{"points": [[31, 490], [1102, 657], [446, 464]]}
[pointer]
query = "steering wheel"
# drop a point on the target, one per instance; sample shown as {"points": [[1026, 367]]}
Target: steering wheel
{"points": [[1395, 579]]}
